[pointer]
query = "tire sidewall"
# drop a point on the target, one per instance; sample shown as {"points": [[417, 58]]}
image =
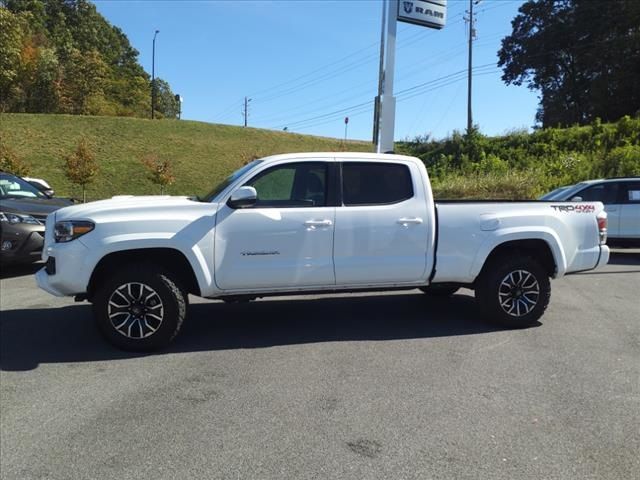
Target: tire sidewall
{"points": [[173, 306], [489, 284]]}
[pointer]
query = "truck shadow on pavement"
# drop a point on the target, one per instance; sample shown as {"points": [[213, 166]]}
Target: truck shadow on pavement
{"points": [[625, 257], [33, 336], [620, 257], [19, 270]]}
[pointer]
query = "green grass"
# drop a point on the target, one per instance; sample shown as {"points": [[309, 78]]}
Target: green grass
{"points": [[511, 185], [202, 154]]}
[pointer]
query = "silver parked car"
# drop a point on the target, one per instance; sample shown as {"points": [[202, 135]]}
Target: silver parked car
{"points": [[621, 198]]}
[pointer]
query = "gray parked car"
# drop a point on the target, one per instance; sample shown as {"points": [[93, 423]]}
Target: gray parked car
{"points": [[23, 211]]}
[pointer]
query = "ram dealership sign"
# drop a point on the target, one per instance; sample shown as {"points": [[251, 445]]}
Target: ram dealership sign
{"points": [[431, 13]]}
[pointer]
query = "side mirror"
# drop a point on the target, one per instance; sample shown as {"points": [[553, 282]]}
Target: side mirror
{"points": [[243, 197], [49, 193], [576, 199]]}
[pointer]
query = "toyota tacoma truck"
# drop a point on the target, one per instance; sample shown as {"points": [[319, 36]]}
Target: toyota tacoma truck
{"points": [[312, 223]]}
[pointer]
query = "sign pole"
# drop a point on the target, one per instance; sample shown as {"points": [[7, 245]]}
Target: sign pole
{"points": [[387, 113], [426, 13]]}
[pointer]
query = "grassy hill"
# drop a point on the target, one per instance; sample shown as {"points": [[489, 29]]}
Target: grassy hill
{"points": [[202, 154]]}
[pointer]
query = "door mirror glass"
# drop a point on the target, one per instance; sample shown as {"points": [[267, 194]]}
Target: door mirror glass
{"points": [[576, 199], [243, 197]]}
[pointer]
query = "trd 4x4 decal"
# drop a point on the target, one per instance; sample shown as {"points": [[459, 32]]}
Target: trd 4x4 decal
{"points": [[580, 208]]}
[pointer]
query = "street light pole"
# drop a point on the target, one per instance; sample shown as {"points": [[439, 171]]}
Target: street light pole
{"points": [[153, 76]]}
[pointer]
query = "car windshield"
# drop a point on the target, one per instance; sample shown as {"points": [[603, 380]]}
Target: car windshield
{"points": [[229, 180], [14, 187]]}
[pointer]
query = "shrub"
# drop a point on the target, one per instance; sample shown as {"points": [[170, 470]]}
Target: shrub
{"points": [[81, 167], [10, 162], [160, 171], [622, 161]]}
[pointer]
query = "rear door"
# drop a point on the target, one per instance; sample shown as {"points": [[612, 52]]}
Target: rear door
{"points": [[609, 194], [381, 226], [630, 210]]}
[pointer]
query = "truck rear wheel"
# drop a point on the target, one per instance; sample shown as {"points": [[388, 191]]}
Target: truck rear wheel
{"points": [[139, 309], [513, 291]]}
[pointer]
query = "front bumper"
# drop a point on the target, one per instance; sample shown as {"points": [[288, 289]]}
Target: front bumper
{"points": [[21, 243], [66, 272]]}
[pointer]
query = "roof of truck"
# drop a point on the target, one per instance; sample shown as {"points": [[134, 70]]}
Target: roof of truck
{"points": [[343, 155]]}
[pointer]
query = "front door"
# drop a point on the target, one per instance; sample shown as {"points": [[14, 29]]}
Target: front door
{"points": [[630, 211], [286, 238]]}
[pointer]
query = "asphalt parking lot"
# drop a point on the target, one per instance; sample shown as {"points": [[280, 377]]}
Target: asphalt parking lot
{"points": [[393, 386]]}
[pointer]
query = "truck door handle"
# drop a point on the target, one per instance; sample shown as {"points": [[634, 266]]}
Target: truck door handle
{"points": [[318, 223], [407, 221]]}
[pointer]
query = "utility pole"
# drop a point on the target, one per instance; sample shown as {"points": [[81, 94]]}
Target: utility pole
{"points": [[472, 34], [245, 111], [153, 76]]}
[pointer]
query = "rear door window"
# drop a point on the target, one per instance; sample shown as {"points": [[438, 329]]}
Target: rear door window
{"points": [[369, 183], [631, 192], [606, 193]]}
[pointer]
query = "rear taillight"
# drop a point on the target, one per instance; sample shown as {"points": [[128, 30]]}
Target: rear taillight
{"points": [[602, 227]]}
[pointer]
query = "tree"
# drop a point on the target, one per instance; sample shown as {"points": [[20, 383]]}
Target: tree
{"points": [[85, 76], [581, 55], [166, 102], [81, 167], [10, 162], [62, 56], [160, 171], [10, 47]]}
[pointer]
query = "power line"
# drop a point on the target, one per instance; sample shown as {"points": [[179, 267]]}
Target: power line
{"points": [[402, 95], [343, 69]]}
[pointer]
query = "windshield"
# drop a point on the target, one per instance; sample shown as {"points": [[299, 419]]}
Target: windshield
{"points": [[562, 193], [229, 180], [14, 187]]}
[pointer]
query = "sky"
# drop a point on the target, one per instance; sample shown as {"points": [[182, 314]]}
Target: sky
{"points": [[307, 64]]}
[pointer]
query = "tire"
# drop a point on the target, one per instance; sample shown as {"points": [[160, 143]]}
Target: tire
{"points": [[140, 308], [439, 290], [506, 291]]}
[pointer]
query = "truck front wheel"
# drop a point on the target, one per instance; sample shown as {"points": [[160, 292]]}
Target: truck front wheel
{"points": [[513, 291], [139, 309]]}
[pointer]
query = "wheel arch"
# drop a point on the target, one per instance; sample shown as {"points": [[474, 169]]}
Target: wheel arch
{"points": [[550, 258], [171, 259]]}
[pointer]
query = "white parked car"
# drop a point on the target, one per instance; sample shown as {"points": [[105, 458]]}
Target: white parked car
{"points": [[312, 223], [621, 199], [41, 185]]}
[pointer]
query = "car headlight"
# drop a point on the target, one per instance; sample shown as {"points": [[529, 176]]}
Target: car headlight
{"points": [[18, 218], [71, 229]]}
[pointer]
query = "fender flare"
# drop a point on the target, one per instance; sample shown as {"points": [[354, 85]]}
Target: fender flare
{"points": [[123, 243], [503, 236]]}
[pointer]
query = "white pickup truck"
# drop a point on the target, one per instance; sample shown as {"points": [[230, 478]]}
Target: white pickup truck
{"points": [[311, 223]]}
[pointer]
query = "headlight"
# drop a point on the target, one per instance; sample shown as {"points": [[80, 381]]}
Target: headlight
{"points": [[72, 229], [18, 218]]}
